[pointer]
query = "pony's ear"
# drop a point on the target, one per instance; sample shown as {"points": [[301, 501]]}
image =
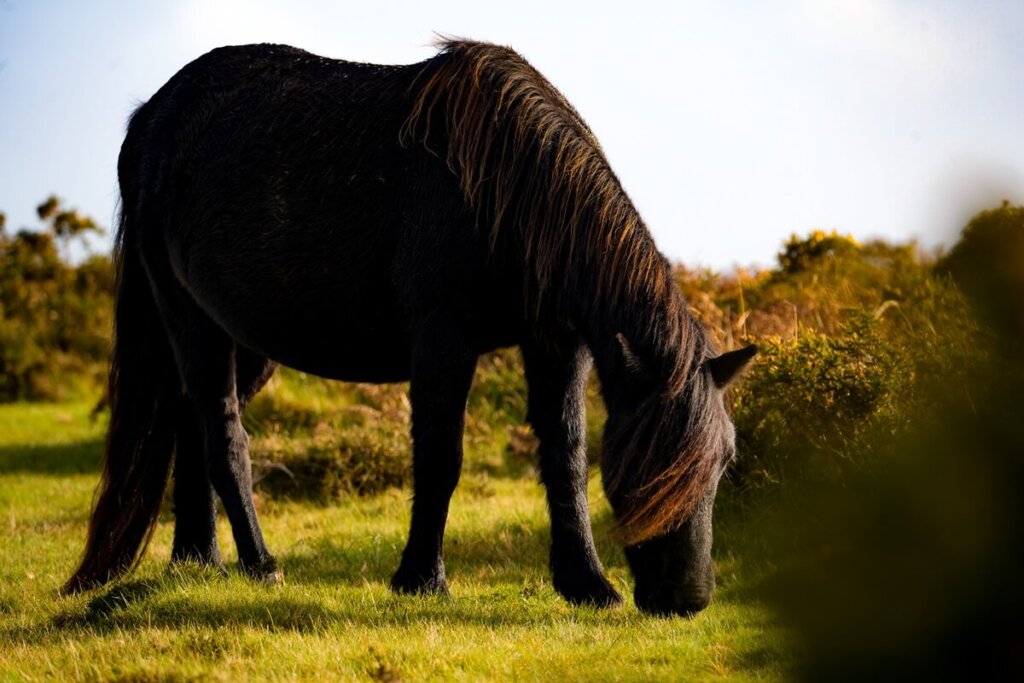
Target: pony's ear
{"points": [[630, 373], [634, 369], [727, 367]]}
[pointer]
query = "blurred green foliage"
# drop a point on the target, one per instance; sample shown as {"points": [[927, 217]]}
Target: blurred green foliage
{"points": [[988, 265], [55, 315], [909, 569]]}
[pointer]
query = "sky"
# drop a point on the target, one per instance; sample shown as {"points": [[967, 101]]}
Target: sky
{"points": [[732, 125]]}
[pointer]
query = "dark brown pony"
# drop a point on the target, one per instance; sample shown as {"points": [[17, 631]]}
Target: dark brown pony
{"points": [[389, 223]]}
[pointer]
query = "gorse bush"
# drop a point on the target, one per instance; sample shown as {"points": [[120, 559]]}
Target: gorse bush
{"points": [[320, 440], [821, 393], [330, 464], [804, 253], [819, 290], [332, 423], [847, 332]]}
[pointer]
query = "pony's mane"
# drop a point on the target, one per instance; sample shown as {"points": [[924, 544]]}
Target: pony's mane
{"points": [[529, 166], [531, 169]]}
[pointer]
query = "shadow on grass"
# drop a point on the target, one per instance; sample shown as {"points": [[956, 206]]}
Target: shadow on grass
{"points": [[352, 560], [509, 558], [105, 605], [169, 602], [82, 457], [507, 551], [165, 603]]}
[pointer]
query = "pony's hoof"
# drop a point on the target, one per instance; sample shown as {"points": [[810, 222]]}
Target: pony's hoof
{"points": [[265, 573], [594, 590], [77, 584], [414, 583], [274, 578]]}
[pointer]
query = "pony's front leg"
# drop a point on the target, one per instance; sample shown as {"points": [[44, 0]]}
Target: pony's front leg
{"points": [[557, 380], [442, 371]]}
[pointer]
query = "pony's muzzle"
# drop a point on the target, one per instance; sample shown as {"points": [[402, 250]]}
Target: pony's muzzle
{"points": [[679, 600]]}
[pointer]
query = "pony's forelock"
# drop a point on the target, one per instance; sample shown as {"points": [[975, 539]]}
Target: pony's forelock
{"points": [[668, 451]]}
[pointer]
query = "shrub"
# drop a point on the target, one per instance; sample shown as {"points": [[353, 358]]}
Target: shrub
{"points": [[817, 393], [818, 403], [318, 439], [333, 463], [321, 440]]}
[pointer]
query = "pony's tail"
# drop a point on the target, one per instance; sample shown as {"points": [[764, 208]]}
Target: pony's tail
{"points": [[144, 392]]}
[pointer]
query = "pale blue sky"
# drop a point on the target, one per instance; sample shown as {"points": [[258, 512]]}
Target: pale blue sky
{"points": [[731, 124]]}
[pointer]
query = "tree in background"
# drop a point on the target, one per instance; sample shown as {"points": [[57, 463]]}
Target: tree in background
{"points": [[55, 316]]}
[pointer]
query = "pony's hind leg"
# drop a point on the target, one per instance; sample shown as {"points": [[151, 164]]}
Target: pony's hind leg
{"points": [[206, 358], [442, 371], [557, 381], [195, 509]]}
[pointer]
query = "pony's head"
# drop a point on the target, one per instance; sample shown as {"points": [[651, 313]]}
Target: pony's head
{"points": [[667, 442]]}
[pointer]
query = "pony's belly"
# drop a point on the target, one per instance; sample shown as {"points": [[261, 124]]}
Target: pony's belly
{"points": [[330, 318], [354, 367], [348, 348]]}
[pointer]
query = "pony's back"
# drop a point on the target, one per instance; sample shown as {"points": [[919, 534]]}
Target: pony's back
{"points": [[269, 120]]}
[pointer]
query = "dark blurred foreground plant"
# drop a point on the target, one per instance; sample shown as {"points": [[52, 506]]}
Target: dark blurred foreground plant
{"points": [[908, 566], [988, 265]]}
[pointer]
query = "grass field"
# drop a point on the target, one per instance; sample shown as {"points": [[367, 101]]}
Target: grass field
{"points": [[335, 618]]}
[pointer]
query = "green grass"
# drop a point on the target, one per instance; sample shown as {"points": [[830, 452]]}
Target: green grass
{"points": [[335, 618]]}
